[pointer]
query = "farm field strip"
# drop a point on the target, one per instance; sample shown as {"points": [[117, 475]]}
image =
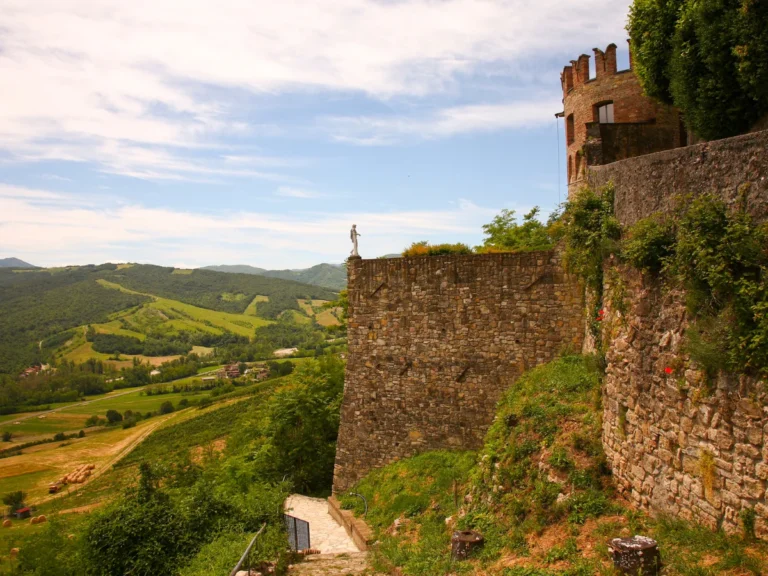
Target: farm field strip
{"points": [[33, 472]]}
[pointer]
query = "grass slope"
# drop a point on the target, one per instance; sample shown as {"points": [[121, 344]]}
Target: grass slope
{"points": [[539, 492]]}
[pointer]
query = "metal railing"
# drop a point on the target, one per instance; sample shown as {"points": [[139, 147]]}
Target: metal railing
{"points": [[245, 559]]}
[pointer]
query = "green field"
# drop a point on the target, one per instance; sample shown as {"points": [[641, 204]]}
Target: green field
{"points": [[160, 316]]}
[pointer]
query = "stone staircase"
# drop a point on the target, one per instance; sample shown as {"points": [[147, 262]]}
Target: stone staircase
{"points": [[341, 564]]}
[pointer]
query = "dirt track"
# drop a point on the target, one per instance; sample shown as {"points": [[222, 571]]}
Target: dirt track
{"points": [[105, 466]]}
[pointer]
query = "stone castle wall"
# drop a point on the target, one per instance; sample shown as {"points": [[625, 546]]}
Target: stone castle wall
{"points": [[733, 168], [434, 341], [675, 444]]}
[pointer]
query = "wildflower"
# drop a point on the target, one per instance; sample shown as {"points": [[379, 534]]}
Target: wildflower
{"points": [[668, 370]]}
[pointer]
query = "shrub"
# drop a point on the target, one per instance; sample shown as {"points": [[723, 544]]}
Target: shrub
{"points": [[424, 248], [166, 407], [650, 244], [7, 436], [113, 416], [590, 233]]}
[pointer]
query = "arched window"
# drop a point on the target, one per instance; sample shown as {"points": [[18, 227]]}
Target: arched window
{"points": [[570, 129], [570, 168]]}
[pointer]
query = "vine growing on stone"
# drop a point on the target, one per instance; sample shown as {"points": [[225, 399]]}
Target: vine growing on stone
{"points": [[720, 257], [590, 233]]}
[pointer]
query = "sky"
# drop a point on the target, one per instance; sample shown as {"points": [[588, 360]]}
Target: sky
{"points": [[195, 132]]}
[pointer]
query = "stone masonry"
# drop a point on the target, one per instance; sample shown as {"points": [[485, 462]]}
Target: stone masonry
{"points": [[678, 444], [435, 340]]}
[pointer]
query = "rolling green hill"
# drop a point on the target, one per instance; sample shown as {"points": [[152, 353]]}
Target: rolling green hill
{"points": [[47, 310], [333, 276]]}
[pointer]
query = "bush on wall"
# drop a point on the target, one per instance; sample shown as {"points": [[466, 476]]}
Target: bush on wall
{"points": [[720, 257]]}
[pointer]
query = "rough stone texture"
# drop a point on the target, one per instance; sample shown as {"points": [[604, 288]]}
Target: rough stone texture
{"points": [[675, 443], [730, 168], [434, 341], [642, 125]]}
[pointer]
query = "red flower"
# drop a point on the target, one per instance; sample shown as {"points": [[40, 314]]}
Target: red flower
{"points": [[600, 315], [668, 370]]}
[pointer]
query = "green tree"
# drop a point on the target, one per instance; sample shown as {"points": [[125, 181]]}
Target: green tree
{"points": [[708, 57], [14, 500], [651, 28], [166, 407], [301, 426], [505, 234], [113, 416], [7, 436]]}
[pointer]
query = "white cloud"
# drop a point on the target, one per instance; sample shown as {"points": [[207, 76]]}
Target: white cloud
{"points": [[379, 130], [85, 80], [49, 228]]}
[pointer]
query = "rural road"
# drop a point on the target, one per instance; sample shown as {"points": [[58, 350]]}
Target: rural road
{"points": [[105, 466]]}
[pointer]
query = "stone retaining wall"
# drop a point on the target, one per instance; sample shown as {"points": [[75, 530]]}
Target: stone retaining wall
{"points": [[676, 443], [435, 340]]}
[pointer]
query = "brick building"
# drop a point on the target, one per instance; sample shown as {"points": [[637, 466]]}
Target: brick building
{"points": [[608, 118]]}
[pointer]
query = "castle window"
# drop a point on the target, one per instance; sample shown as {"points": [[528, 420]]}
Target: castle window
{"points": [[605, 113], [570, 168], [570, 129]]}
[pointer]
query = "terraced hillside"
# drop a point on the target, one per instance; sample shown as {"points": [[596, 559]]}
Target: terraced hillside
{"points": [[45, 313]]}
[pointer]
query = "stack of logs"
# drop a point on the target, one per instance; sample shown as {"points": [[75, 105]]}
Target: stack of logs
{"points": [[79, 475]]}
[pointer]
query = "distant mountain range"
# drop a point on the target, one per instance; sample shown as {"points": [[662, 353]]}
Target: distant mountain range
{"points": [[15, 263], [333, 276]]}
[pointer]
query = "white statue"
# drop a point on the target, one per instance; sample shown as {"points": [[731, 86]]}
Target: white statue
{"points": [[353, 234]]}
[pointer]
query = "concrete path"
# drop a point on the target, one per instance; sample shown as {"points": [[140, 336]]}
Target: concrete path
{"points": [[325, 534]]}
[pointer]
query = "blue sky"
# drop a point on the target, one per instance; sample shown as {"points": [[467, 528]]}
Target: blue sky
{"points": [[188, 133]]}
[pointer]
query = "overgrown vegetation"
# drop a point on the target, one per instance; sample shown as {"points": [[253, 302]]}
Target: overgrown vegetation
{"points": [[424, 248], [539, 492], [718, 255], [206, 485], [707, 57]]}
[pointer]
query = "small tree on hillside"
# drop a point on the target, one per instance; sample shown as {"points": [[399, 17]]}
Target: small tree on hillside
{"points": [[166, 407], [14, 500], [113, 416]]}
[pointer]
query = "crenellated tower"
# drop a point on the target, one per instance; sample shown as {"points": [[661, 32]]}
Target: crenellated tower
{"points": [[608, 118]]}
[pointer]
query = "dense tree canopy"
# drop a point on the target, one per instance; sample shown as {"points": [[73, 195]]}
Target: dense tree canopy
{"points": [[707, 57]]}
